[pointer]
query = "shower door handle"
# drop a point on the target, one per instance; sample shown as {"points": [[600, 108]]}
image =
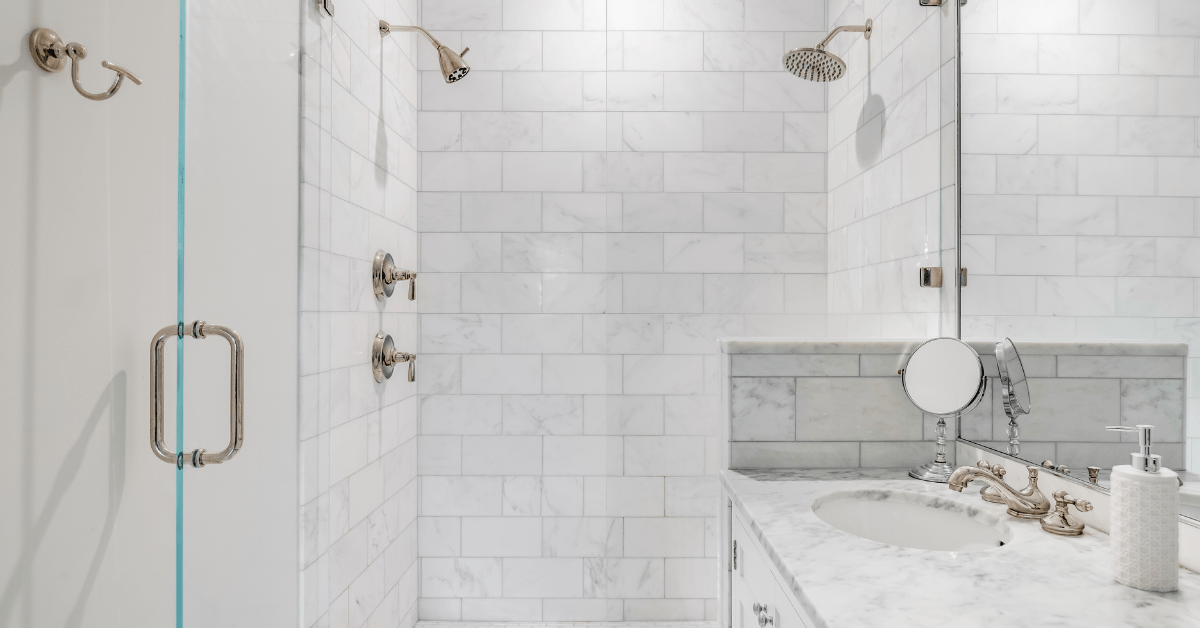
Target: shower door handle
{"points": [[198, 457]]}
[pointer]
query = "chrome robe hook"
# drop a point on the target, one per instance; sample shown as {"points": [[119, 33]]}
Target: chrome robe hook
{"points": [[51, 54]]}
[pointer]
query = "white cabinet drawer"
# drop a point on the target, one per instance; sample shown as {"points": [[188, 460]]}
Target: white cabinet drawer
{"points": [[756, 581]]}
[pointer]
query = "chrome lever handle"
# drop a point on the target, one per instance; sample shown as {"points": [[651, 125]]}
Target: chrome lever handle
{"points": [[385, 273], [198, 457]]}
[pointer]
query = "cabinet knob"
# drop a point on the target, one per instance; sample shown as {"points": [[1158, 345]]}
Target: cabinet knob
{"points": [[759, 608], [765, 620]]}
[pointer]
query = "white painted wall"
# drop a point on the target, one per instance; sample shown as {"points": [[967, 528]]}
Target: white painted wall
{"points": [[1079, 174], [87, 248]]}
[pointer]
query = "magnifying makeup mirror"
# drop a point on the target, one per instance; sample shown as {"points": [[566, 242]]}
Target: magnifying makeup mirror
{"points": [[1014, 390], [943, 377]]}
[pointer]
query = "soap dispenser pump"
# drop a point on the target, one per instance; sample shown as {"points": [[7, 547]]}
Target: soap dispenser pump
{"points": [[1144, 519]]}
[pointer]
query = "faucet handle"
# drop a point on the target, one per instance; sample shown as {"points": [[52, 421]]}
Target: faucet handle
{"points": [[989, 493], [1060, 521]]}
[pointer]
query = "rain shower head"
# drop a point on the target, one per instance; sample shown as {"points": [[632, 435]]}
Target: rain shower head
{"points": [[452, 65], [818, 64]]}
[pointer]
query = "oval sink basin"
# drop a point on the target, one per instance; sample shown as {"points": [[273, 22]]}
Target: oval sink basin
{"points": [[915, 520]]}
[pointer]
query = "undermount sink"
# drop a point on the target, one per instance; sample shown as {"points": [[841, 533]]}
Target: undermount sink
{"points": [[915, 520]]}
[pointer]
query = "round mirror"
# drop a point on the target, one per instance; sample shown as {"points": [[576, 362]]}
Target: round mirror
{"points": [[944, 377], [1014, 389]]}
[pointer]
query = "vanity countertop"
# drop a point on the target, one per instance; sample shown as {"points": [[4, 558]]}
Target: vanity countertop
{"points": [[844, 581], [902, 346]]}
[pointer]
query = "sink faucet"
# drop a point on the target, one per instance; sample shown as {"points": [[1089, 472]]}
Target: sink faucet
{"points": [[1027, 503]]}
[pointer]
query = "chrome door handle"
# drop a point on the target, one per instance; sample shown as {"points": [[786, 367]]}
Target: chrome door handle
{"points": [[199, 457]]}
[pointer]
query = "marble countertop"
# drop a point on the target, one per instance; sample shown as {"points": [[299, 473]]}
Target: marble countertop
{"points": [[844, 581], [902, 346]]}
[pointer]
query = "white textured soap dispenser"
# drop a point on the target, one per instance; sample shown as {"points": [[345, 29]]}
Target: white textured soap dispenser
{"points": [[1144, 524]]}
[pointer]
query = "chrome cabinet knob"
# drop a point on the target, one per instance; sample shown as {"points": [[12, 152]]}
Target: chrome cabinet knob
{"points": [[759, 608], [765, 620]]}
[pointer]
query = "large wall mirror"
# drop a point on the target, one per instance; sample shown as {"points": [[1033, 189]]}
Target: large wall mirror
{"points": [[1080, 178]]}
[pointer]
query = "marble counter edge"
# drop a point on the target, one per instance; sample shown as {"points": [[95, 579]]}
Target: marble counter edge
{"points": [[834, 346]]}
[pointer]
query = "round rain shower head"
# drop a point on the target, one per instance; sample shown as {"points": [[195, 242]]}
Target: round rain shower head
{"points": [[812, 64], [818, 64]]}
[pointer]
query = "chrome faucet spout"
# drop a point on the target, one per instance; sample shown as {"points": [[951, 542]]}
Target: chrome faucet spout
{"points": [[1028, 503]]}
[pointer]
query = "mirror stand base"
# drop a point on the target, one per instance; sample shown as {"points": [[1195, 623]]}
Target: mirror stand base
{"points": [[933, 471]]}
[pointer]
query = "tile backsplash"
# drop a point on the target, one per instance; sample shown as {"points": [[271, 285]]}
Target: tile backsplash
{"points": [[830, 403]]}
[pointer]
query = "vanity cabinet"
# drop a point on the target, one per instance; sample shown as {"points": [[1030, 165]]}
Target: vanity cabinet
{"points": [[755, 581]]}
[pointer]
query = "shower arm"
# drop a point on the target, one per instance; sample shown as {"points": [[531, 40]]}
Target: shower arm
{"points": [[866, 28], [385, 29]]}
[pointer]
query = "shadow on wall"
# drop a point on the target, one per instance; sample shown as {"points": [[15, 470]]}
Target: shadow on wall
{"points": [[19, 580], [868, 144]]}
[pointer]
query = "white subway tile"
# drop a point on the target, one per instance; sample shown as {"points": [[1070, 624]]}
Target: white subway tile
{"points": [[625, 15], [780, 91], [737, 52], [1035, 174], [460, 414], [1076, 215], [1076, 296], [730, 294], [668, 536], [1117, 17], [1038, 16], [672, 51], [574, 536], [574, 455], [791, 253], [574, 374], [1124, 95], [1005, 134], [1077, 54], [703, 253], [501, 455], [1178, 17], [466, 496], [482, 93], [440, 455], [501, 374], [1155, 216], [1119, 256], [702, 91], [439, 536], [688, 578], [543, 333], [658, 132], [743, 132], [460, 577], [635, 496], [574, 293], [784, 172], [1125, 176], [501, 536], [1157, 136], [543, 91], [703, 172], [543, 15], [635, 91], [506, 50], [663, 375], [1158, 55], [1003, 54], [1154, 296]]}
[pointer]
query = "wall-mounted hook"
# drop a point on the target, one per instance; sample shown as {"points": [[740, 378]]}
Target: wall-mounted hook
{"points": [[51, 54], [384, 274], [327, 6], [384, 358]]}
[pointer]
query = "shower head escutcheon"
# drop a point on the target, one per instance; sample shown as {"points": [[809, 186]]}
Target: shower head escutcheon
{"points": [[452, 65], [818, 64]]}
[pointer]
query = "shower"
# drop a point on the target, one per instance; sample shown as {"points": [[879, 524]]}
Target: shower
{"points": [[453, 67], [816, 64]]}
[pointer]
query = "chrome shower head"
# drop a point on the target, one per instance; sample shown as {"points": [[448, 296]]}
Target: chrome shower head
{"points": [[814, 64], [452, 65], [818, 64]]}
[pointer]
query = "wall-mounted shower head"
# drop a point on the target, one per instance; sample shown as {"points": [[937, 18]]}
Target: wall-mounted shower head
{"points": [[818, 64], [452, 65]]}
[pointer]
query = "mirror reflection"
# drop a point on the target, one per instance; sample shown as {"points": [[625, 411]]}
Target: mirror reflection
{"points": [[1080, 232]]}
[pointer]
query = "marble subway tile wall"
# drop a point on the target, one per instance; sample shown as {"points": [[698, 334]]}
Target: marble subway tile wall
{"points": [[891, 182], [832, 404], [357, 438], [1080, 128]]}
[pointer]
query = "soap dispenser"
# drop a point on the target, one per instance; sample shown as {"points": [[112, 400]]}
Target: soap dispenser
{"points": [[1144, 519]]}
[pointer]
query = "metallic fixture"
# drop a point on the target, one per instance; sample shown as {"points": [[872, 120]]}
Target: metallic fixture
{"points": [[51, 54], [735, 554], [938, 3], [453, 67], [199, 457], [943, 377], [384, 274], [1061, 468], [931, 277], [818, 64], [962, 274], [327, 6], [1014, 391], [384, 358], [1061, 522], [1141, 460], [1028, 503], [1094, 475], [764, 617], [988, 493]]}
